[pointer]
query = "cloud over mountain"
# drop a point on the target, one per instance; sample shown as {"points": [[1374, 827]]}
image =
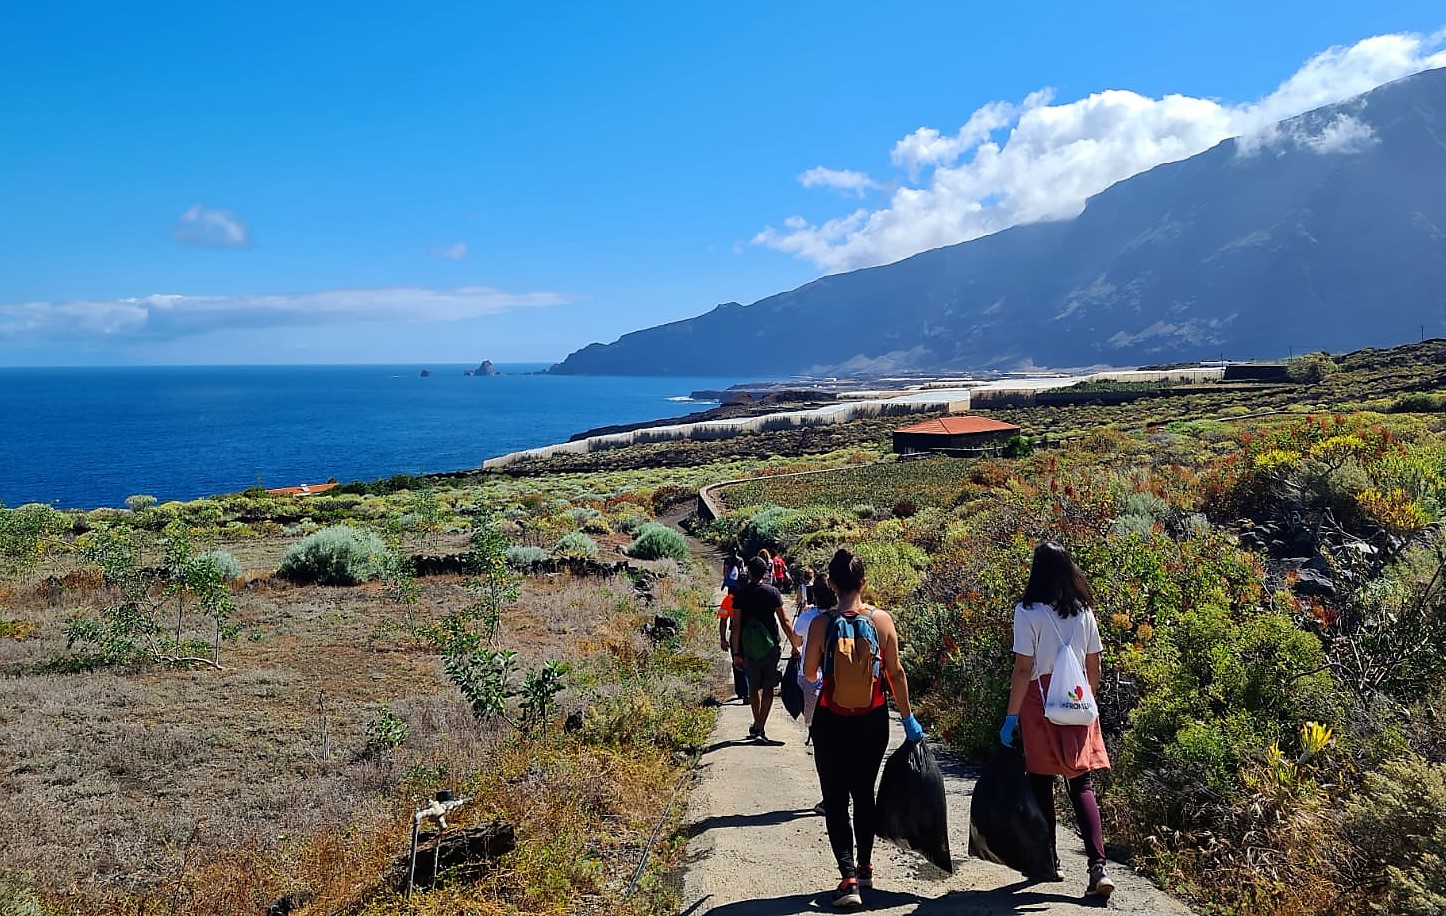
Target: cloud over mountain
{"points": [[970, 183]]}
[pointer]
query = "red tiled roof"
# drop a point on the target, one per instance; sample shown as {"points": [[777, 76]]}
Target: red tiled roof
{"points": [[957, 426], [306, 489]]}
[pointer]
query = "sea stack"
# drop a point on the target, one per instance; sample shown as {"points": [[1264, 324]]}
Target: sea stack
{"points": [[486, 368], [426, 373]]}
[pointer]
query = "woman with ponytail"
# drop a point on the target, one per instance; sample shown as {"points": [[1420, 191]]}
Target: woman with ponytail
{"points": [[853, 647]]}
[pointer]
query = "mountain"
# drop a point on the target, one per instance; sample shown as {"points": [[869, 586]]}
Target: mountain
{"points": [[1326, 232]]}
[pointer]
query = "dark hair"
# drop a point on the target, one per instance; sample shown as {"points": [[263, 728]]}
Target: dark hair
{"points": [[763, 554], [823, 597], [846, 571], [758, 567], [1056, 581]]}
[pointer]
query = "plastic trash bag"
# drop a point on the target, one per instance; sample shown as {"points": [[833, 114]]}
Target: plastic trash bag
{"points": [[792, 692], [912, 812], [1005, 823]]}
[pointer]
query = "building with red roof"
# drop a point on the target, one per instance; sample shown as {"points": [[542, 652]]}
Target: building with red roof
{"points": [[950, 434]]}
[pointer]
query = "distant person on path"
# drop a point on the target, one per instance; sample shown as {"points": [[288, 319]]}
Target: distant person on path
{"points": [[757, 614], [804, 590], [732, 571], [1056, 610], [823, 602], [852, 648], [780, 573]]}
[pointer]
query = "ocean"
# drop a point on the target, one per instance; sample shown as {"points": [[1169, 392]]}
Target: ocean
{"points": [[89, 437]]}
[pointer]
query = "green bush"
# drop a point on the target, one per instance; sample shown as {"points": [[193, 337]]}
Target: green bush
{"points": [[1420, 402], [576, 545], [525, 557], [655, 541], [1311, 368], [226, 564], [1397, 825], [339, 555], [864, 510]]}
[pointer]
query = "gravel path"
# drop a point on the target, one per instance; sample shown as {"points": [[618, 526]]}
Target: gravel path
{"points": [[757, 848]]}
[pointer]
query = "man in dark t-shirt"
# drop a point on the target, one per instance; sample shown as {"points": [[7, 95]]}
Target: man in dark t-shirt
{"points": [[757, 649]]}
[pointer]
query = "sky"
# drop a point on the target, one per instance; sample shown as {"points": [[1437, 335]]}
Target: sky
{"points": [[253, 183]]}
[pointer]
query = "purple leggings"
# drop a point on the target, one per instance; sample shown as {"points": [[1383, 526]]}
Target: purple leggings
{"points": [[1086, 810]]}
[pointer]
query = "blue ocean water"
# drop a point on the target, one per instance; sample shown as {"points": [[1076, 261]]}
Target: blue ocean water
{"points": [[87, 437]]}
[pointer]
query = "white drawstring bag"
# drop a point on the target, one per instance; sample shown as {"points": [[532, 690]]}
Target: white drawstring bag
{"points": [[1070, 700]]}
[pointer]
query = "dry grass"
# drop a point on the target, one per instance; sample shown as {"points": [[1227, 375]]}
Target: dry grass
{"points": [[159, 790]]}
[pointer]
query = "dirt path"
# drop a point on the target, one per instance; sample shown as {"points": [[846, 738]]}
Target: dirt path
{"points": [[757, 848]]}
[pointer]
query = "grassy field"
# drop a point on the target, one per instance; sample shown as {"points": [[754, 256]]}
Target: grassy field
{"points": [[923, 482]]}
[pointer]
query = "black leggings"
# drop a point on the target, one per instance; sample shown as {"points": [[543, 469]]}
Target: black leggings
{"points": [[847, 752]]}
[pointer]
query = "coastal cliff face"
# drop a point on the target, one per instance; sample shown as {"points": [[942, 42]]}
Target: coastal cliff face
{"points": [[1327, 232]]}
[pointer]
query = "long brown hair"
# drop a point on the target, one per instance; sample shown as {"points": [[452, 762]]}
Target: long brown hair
{"points": [[1055, 580]]}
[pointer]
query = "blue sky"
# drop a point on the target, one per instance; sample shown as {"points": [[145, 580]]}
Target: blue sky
{"points": [[258, 183]]}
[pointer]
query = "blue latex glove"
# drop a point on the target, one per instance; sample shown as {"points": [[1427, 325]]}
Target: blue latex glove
{"points": [[913, 731], [1006, 734]]}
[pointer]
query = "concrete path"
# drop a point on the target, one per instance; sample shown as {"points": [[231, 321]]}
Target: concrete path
{"points": [[757, 848]]}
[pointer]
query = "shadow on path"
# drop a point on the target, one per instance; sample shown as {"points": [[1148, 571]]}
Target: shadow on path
{"points": [[767, 819], [1017, 898]]}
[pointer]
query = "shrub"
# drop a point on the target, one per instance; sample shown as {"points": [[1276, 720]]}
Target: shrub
{"points": [[1398, 827], [1018, 447], [864, 511], [1311, 368], [655, 541], [575, 544], [339, 555], [1419, 402], [226, 564], [525, 557]]}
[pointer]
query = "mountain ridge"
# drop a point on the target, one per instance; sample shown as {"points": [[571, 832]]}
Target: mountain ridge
{"points": [[1326, 231]]}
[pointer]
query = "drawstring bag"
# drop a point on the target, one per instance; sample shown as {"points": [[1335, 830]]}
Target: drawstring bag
{"points": [[1070, 700]]}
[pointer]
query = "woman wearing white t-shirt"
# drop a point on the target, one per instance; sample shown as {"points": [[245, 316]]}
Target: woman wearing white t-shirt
{"points": [[1056, 609]]}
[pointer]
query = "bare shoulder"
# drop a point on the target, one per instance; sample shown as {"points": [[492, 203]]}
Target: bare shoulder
{"points": [[882, 620]]}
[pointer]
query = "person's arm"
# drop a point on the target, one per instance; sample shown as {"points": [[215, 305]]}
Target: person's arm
{"points": [[813, 657], [1092, 672], [723, 632], [793, 638], [893, 668], [1019, 680]]}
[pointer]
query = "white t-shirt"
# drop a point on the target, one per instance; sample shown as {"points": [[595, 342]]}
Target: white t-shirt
{"points": [[1038, 628], [801, 624]]}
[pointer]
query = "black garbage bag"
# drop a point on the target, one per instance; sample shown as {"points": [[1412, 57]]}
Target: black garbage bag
{"points": [[740, 684], [912, 812], [1005, 823], [791, 691]]}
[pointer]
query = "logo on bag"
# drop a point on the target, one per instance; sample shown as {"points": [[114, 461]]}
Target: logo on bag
{"points": [[1078, 693]]}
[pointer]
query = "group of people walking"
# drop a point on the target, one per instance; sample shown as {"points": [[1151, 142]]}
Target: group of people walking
{"points": [[849, 652]]}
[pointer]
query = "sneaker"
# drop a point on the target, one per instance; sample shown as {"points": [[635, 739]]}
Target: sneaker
{"points": [[1100, 884], [865, 875], [754, 733], [847, 894], [819, 809]]}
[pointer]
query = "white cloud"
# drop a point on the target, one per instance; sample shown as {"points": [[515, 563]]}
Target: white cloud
{"points": [[211, 228], [455, 252], [839, 179], [970, 183], [166, 317]]}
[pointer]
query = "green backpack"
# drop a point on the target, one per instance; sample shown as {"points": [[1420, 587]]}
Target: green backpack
{"points": [[758, 639]]}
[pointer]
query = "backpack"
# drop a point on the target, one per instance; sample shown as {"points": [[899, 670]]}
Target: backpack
{"points": [[851, 664], [757, 639], [1070, 700]]}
